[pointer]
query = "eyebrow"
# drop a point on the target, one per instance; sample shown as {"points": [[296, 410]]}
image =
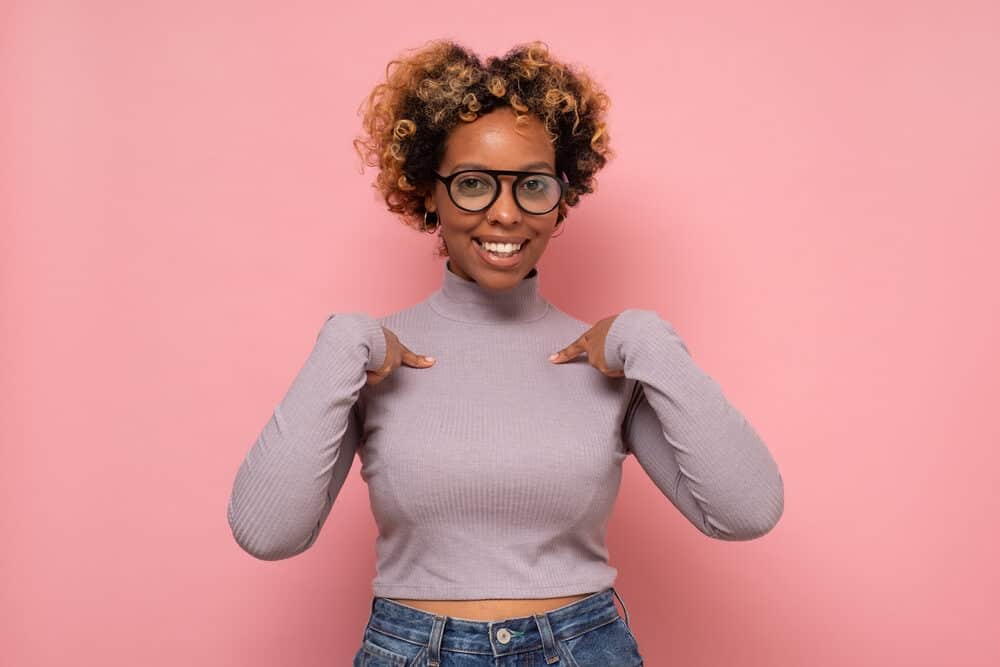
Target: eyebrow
{"points": [[526, 167]]}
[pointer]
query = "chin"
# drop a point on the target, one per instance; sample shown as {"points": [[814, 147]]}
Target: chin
{"points": [[502, 278], [488, 278]]}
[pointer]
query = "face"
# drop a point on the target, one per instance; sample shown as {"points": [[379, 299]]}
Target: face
{"points": [[493, 142]]}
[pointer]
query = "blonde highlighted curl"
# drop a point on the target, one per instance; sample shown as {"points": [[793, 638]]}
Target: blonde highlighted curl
{"points": [[407, 118]]}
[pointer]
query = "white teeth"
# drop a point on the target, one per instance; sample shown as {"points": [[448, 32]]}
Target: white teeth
{"points": [[500, 248]]}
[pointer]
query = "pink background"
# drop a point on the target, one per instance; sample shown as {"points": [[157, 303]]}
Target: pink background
{"points": [[807, 190]]}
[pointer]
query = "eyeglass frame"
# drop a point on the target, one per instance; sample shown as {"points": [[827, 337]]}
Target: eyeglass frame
{"points": [[495, 173]]}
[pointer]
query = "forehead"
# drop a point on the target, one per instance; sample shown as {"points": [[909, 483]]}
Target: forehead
{"points": [[495, 141]]}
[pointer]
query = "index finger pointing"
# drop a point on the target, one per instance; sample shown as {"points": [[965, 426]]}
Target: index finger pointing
{"points": [[570, 351]]}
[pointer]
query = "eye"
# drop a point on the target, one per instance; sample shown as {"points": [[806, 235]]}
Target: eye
{"points": [[536, 186], [472, 185]]}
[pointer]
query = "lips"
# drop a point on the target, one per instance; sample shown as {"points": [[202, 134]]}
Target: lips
{"points": [[519, 241], [500, 262], [501, 239]]}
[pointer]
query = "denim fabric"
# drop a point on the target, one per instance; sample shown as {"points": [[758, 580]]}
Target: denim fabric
{"points": [[585, 633]]}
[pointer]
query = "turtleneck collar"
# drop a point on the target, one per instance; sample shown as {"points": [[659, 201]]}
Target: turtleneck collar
{"points": [[468, 301]]}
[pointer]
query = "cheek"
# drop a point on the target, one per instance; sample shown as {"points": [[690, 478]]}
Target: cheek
{"points": [[548, 227], [538, 244], [457, 234], [456, 222]]}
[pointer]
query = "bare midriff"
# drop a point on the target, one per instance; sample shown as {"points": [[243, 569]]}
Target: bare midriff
{"points": [[490, 610]]}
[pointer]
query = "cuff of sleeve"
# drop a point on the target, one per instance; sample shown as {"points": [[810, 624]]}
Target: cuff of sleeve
{"points": [[626, 329], [360, 328], [375, 340]]}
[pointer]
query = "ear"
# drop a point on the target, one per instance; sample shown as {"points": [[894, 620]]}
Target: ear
{"points": [[562, 212], [429, 204]]}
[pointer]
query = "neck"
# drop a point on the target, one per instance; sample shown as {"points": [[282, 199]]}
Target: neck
{"points": [[468, 301]]}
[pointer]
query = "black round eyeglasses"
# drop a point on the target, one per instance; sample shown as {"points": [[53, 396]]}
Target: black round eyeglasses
{"points": [[475, 190]]}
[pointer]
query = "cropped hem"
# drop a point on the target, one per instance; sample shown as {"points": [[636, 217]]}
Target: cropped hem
{"points": [[478, 592]]}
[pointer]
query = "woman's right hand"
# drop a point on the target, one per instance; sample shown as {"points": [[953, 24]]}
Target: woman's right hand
{"points": [[396, 354]]}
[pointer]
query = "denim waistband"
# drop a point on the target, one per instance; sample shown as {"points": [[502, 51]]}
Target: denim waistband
{"points": [[510, 635]]}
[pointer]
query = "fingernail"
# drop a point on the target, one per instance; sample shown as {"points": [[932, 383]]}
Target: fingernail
{"points": [[429, 358], [554, 356]]}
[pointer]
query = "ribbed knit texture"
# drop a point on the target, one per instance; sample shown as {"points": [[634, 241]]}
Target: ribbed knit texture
{"points": [[493, 472]]}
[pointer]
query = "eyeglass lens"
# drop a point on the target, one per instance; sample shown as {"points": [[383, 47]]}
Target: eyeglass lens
{"points": [[474, 191]]}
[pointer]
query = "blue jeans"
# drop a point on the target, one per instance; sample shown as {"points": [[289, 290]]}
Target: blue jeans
{"points": [[585, 633]]}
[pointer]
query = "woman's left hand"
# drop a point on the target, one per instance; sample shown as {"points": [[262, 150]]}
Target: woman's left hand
{"points": [[592, 342]]}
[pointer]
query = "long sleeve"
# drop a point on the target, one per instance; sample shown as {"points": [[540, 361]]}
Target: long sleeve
{"points": [[290, 477], [696, 447]]}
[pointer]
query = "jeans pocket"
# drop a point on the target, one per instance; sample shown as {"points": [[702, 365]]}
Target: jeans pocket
{"points": [[382, 650], [609, 644]]}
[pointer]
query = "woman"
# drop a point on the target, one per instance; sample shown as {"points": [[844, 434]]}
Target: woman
{"points": [[492, 467]]}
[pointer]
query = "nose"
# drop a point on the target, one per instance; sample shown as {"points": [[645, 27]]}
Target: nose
{"points": [[505, 208]]}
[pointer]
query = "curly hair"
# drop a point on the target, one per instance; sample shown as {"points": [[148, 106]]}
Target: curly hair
{"points": [[407, 118]]}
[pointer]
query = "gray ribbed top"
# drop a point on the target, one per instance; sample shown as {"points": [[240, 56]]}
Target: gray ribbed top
{"points": [[493, 472]]}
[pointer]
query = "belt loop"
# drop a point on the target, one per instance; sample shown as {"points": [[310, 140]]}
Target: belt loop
{"points": [[622, 602], [548, 638], [434, 644]]}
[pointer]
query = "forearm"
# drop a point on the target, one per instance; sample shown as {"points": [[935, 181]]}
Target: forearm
{"points": [[282, 491], [700, 450]]}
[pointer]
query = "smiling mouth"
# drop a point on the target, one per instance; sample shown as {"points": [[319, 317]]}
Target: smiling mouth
{"points": [[501, 254]]}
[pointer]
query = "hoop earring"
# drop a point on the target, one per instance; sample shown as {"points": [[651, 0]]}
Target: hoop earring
{"points": [[429, 225]]}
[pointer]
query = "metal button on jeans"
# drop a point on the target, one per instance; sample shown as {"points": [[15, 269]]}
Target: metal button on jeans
{"points": [[503, 635]]}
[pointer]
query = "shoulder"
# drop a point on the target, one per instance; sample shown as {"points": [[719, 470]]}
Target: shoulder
{"points": [[565, 323], [417, 315]]}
